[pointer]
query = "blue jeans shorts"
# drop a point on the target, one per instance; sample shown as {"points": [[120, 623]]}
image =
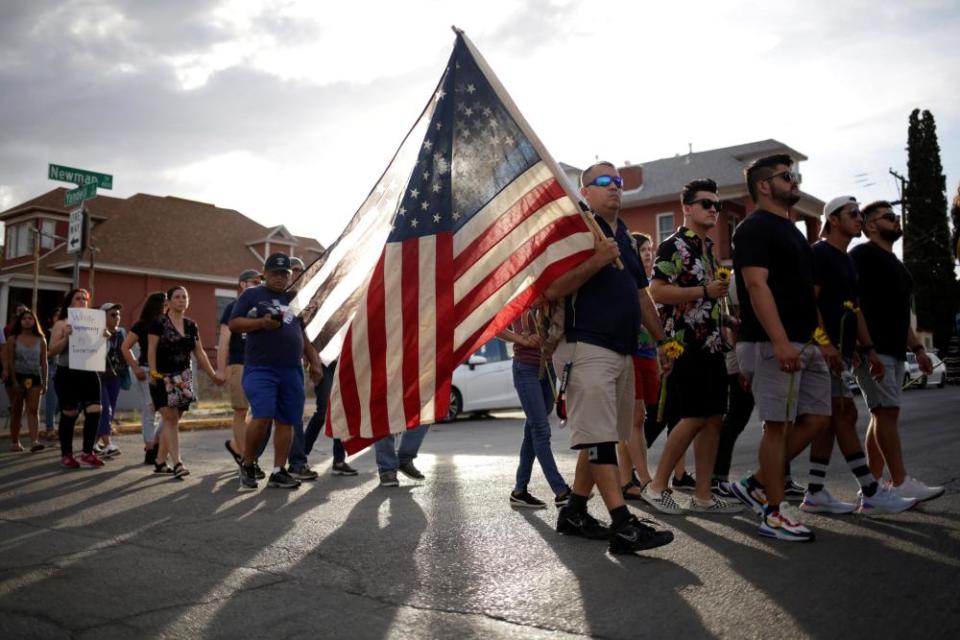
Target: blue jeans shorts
{"points": [[275, 393]]}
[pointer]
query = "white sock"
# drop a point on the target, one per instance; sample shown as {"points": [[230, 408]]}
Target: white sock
{"points": [[277, 469]]}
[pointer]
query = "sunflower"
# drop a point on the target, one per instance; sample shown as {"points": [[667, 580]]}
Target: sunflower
{"points": [[821, 338], [723, 274]]}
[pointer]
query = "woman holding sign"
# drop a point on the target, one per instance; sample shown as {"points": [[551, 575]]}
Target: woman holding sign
{"points": [[170, 341], [27, 356], [77, 389]]}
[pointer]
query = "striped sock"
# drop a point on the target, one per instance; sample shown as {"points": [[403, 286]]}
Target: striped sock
{"points": [[818, 474], [858, 466]]}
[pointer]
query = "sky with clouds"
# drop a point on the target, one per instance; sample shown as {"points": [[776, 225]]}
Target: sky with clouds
{"points": [[289, 110]]}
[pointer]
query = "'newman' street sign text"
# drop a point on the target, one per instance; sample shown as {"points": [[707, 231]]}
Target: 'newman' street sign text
{"points": [[80, 176]]}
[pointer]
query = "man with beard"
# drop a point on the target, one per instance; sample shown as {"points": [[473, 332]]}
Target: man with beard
{"points": [[790, 379], [687, 288], [835, 279], [886, 290], [603, 309]]}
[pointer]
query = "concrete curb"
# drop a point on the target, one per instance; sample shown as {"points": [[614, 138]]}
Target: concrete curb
{"points": [[199, 424]]}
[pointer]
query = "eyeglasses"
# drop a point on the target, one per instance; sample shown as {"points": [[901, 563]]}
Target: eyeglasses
{"points": [[604, 181], [707, 203], [855, 213], [789, 176]]}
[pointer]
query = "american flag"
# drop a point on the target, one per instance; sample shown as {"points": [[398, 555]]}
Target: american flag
{"points": [[434, 265]]}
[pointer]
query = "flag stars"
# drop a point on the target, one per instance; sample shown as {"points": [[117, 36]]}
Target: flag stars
{"points": [[414, 194], [402, 211], [456, 216], [414, 223], [436, 217], [439, 126], [471, 88], [426, 175], [427, 144], [440, 94], [468, 111], [424, 205], [487, 112], [436, 187]]}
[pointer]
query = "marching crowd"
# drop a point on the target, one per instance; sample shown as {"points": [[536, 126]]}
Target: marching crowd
{"points": [[635, 340], [777, 339]]}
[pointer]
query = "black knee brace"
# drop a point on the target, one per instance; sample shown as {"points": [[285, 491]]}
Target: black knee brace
{"points": [[603, 453]]}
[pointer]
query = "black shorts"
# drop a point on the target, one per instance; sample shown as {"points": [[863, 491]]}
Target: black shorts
{"points": [[697, 386], [22, 380], [75, 388]]}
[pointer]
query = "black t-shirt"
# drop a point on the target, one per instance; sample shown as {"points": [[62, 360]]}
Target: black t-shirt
{"points": [[174, 349], [141, 329], [770, 241], [605, 310], [835, 274], [886, 292], [237, 340]]}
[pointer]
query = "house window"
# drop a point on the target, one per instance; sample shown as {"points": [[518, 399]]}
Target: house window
{"points": [[49, 228], [18, 240], [664, 226], [223, 297]]}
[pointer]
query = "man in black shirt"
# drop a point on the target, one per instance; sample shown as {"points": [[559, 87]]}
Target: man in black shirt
{"points": [[604, 307], [886, 292], [791, 382], [835, 284]]}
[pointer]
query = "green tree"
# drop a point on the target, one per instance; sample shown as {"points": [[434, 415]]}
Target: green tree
{"points": [[927, 249]]}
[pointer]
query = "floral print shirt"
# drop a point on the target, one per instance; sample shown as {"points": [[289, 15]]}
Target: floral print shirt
{"points": [[685, 260]]}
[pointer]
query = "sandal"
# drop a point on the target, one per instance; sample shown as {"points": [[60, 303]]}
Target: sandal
{"points": [[16, 446], [628, 495], [162, 469], [37, 446], [179, 470]]}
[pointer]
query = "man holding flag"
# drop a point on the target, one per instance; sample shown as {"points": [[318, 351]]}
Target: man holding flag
{"points": [[604, 307]]}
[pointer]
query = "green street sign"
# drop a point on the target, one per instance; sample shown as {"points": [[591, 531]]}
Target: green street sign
{"points": [[75, 196], [80, 177]]}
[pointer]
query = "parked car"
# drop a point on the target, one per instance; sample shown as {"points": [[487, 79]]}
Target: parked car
{"points": [[484, 382], [913, 377]]}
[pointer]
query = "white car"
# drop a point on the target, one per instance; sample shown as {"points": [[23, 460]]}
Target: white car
{"points": [[485, 381], [914, 378]]}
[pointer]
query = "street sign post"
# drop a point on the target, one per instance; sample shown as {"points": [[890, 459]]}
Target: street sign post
{"points": [[80, 176], [75, 235], [78, 195]]}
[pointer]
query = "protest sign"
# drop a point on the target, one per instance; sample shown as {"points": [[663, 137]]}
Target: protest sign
{"points": [[88, 348]]}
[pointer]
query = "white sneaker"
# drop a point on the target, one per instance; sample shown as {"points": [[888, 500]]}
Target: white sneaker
{"points": [[883, 501], [913, 488], [823, 502], [790, 512]]}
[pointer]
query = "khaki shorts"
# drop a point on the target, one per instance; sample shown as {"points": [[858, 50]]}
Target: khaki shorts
{"points": [[771, 386], [600, 393], [238, 399]]}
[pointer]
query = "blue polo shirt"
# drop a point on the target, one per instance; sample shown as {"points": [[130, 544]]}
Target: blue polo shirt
{"points": [[605, 310], [281, 347]]}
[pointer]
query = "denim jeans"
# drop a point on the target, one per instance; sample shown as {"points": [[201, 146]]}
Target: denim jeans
{"points": [[50, 409], [536, 398], [389, 458], [150, 420], [319, 417], [109, 392]]}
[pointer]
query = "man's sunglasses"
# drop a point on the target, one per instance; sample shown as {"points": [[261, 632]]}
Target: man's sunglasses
{"points": [[707, 203], [889, 216], [789, 176], [604, 181]]}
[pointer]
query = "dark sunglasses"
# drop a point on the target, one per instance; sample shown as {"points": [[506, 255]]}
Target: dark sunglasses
{"points": [[707, 203], [856, 213], [889, 217], [604, 181], [789, 176]]}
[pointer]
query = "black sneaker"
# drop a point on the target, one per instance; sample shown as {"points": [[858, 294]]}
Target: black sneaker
{"points": [[524, 499], [233, 454], [342, 469], [561, 500], [248, 479], [792, 490], [283, 480], [303, 472], [581, 524], [637, 535], [721, 489], [686, 482], [410, 471], [258, 472]]}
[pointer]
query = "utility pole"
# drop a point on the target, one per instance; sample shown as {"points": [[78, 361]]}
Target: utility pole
{"points": [[903, 195]]}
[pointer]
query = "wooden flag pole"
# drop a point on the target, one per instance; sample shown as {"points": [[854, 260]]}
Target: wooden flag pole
{"points": [[511, 106]]}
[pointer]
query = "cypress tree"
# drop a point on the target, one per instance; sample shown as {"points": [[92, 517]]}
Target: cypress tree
{"points": [[927, 249]]}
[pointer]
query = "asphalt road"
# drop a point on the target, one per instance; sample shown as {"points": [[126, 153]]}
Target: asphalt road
{"points": [[118, 553]]}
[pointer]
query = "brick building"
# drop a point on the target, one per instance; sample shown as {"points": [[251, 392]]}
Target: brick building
{"points": [[142, 244]]}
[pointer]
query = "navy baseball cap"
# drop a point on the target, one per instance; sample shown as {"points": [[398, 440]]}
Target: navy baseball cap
{"points": [[277, 262]]}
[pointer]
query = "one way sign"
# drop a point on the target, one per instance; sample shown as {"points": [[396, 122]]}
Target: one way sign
{"points": [[75, 235]]}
